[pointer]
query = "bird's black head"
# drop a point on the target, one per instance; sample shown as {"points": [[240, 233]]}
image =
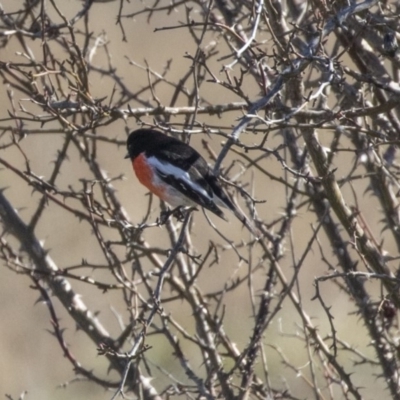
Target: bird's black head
{"points": [[142, 140]]}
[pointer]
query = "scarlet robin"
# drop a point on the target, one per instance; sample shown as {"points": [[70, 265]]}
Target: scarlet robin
{"points": [[178, 174]]}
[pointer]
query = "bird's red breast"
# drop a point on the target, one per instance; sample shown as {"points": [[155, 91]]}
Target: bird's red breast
{"points": [[145, 174]]}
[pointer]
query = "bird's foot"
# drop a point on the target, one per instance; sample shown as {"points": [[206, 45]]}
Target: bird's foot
{"points": [[178, 212]]}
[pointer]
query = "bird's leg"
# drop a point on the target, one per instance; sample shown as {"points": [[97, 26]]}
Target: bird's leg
{"points": [[178, 212], [181, 211], [164, 216]]}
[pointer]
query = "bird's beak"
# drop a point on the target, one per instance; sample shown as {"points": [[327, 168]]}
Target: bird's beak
{"points": [[127, 156]]}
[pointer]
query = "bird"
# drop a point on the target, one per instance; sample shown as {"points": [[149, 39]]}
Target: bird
{"points": [[175, 172]]}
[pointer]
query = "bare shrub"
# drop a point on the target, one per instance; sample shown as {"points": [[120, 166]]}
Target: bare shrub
{"points": [[295, 105]]}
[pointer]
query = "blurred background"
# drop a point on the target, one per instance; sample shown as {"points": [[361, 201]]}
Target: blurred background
{"points": [[137, 62]]}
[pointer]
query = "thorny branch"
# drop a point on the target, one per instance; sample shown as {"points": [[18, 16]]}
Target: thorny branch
{"points": [[295, 103]]}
